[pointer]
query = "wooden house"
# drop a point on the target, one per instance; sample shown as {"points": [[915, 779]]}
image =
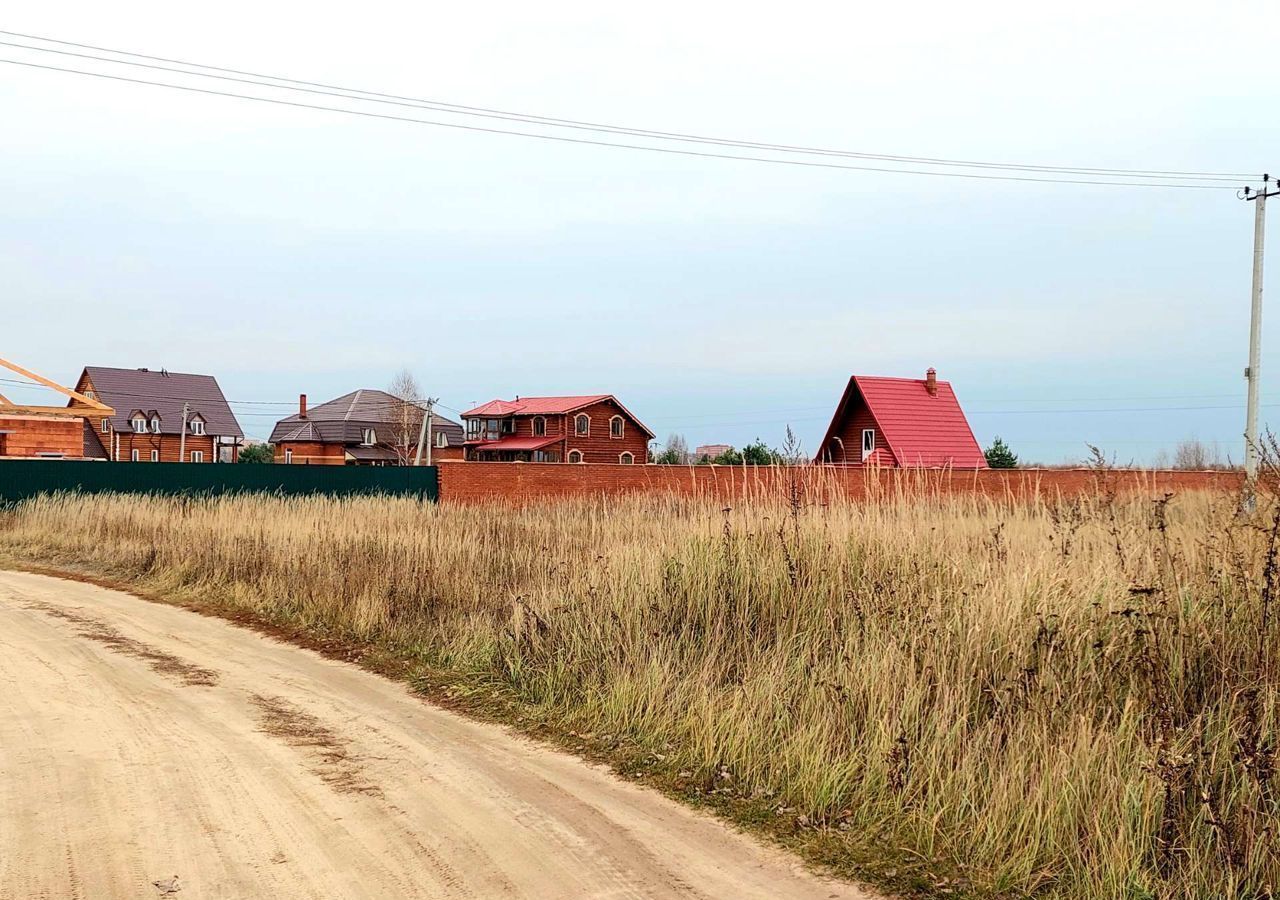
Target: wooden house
{"points": [[593, 428]]}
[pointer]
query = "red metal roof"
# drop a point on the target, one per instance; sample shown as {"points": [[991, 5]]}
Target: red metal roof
{"points": [[515, 443], [920, 429], [547, 406], [535, 406]]}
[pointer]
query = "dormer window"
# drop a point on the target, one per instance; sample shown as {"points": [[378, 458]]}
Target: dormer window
{"points": [[615, 427], [539, 426], [155, 424], [140, 424], [369, 438], [582, 424], [197, 426]]}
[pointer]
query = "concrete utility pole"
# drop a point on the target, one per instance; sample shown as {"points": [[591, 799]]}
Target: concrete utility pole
{"points": [[424, 433], [1254, 372], [182, 441]]}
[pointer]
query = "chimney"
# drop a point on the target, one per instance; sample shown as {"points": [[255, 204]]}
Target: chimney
{"points": [[931, 381], [302, 406]]}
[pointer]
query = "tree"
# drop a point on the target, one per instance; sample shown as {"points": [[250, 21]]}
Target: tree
{"points": [[759, 454], [256, 453], [675, 453], [999, 456], [729, 457], [404, 418], [1195, 454]]}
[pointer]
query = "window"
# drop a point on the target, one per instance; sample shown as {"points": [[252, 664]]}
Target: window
{"points": [[575, 456], [91, 395], [626, 459], [155, 456], [106, 426], [288, 456], [539, 426], [615, 427], [197, 456], [546, 456], [582, 424], [473, 428], [369, 438], [155, 424], [442, 439], [140, 424], [868, 442], [197, 426], [133, 456]]}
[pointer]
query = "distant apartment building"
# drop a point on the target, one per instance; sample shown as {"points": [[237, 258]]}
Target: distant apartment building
{"points": [[710, 451]]}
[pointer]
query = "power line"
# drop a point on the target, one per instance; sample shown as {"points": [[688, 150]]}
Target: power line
{"points": [[597, 143], [313, 87]]}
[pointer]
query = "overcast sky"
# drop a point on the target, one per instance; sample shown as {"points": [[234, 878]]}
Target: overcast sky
{"points": [[290, 250]]}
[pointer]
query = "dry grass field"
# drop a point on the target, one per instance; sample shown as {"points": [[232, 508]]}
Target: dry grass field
{"points": [[946, 695]]}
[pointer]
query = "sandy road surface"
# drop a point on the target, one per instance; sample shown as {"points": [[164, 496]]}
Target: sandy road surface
{"points": [[140, 741]]}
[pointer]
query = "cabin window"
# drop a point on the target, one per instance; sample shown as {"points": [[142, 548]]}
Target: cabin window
{"points": [[369, 438], [442, 439], [133, 456], [615, 427], [575, 456], [197, 426], [140, 425], [868, 442], [539, 426], [155, 424], [197, 456], [106, 425], [155, 456], [288, 456], [626, 459], [582, 424]]}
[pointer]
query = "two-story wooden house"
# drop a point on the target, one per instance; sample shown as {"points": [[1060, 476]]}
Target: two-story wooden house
{"points": [[593, 428], [159, 416]]}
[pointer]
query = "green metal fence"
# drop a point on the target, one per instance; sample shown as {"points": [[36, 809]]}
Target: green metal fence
{"points": [[20, 478]]}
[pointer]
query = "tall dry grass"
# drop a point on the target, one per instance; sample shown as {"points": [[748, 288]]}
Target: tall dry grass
{"points": [[1073, 699]]}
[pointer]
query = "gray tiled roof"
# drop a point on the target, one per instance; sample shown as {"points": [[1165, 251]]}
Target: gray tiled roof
{"points": [[343, 420], [163, 393]]}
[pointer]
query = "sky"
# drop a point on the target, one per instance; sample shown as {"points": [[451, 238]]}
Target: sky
{"points": [[290, 250]]}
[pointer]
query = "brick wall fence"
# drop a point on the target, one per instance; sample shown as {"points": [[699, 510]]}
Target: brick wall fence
{"points": [[463, 482]]}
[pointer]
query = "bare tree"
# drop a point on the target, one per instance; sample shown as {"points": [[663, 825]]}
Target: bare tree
{"points": [[676, 452], [404, 418], [1195, 454]]}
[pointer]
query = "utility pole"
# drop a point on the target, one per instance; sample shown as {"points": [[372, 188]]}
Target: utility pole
{"points": [[1254, 372], [424, 433], [182, 441]]}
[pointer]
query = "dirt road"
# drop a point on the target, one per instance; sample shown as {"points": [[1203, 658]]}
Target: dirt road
{"points": [[139, 742]]}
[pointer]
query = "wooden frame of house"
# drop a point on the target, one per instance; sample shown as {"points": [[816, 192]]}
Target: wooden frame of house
{"points": [[46, 432]]}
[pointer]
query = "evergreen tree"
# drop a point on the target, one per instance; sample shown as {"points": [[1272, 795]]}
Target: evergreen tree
{"points": [[999, 456]]}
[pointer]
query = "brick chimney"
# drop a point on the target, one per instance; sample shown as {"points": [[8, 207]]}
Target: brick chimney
{"points": [[931, 381], [302, 406]]}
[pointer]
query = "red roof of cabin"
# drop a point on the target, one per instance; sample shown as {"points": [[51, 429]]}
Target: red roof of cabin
{"points": [[920, 429], [535, 406]]}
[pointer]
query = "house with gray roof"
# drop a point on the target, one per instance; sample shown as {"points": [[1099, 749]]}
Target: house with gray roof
{"points": [[364, 427], [158, 416]]}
